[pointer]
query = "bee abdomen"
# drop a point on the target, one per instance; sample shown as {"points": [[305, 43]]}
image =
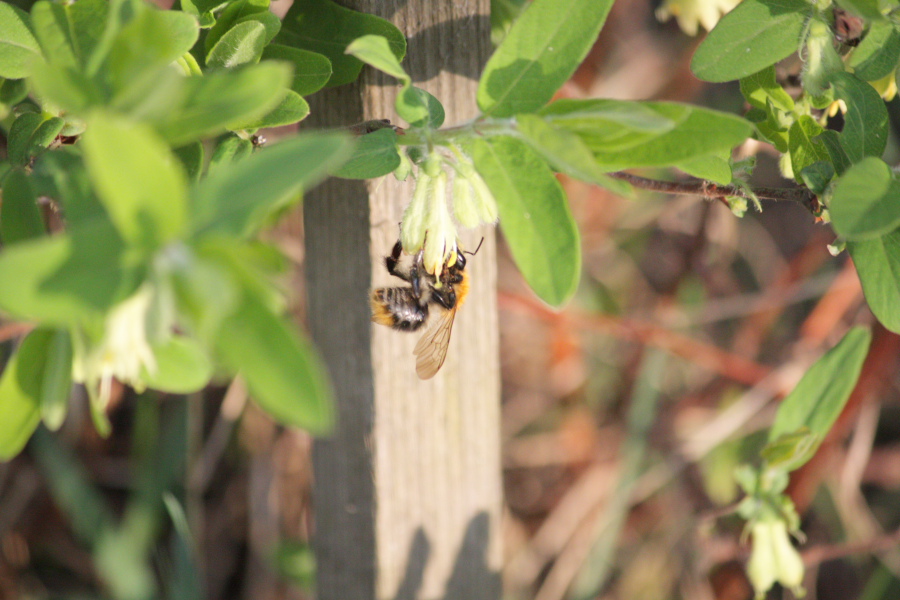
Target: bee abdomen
{"points": [[398, 307]]}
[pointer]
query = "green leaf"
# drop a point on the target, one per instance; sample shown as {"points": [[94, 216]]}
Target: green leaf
{"points": [[790, 450], [72, 35], [541, 51], [677, 133], [234, 13], [818, 176], [419, 108], [327, 28], [18, 47], [30, 134], [191, 157], [869, 9], [866, 122], [837, 155], [147, 45], [821, 394], [139, 181], [375, 50], [803, 146], [65, 279], [21, 218], [311, 69], [534, 214], [268, 19], [20, 133], [66, 88], [45, 372], [416, 106], [292, 109], [224, 97], [235, 200], [242, 45], [12, 91], [762, 88], [44, 135], [753, 36], [566, 152], [375, 154], [866, 201], [284, 374], [878, 266], [20, 410], [712, 168], [878, 53], [61, 175], [230, 150], [182, 367], [503, 14], [616, 121]]}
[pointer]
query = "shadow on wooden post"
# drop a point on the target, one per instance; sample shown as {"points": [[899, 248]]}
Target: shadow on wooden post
{"points": [[408, 490]]}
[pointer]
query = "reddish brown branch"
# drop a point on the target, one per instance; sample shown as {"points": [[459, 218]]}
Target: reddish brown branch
{"points": [[819, 554], [708, 189]]}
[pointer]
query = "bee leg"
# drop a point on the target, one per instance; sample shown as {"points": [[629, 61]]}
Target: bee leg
{"points": [[391, 262]]}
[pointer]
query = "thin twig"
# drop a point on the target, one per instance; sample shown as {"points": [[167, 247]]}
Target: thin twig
{"points": [[708, 189]]}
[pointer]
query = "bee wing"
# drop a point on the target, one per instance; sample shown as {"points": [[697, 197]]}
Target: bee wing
{"points": [[431, 349]]}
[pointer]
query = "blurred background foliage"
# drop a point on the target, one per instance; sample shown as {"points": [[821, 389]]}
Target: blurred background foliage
{"points": [[624, 415]]}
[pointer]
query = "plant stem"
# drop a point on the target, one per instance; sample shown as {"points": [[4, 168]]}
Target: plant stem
{"points": [[708, 189]]}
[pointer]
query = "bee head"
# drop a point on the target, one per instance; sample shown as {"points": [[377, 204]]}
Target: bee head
{"points": [[444, 295]]}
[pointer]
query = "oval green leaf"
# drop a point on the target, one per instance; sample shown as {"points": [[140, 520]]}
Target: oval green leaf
{"points": [[20, 411], [21, 217], [566, 153], [292, 109], [866, 121], [753, 36], [45, 370], [241, 45], [282, 370], [866, 201], [878, 265], [375, 51], [691, 132], [878, 53], [534, 214], [182, 367], [821, 394], [541, 51], [327, 28], [65, 279], [18, 47], [235, 200], [311, 69], [223, 97], [375, 154], [804, 146], [139, 181]]}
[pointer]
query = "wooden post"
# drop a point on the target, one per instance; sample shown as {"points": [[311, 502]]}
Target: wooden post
{"points": [[408, 491]]}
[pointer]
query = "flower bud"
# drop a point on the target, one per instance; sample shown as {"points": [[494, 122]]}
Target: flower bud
{"points": [[464, 208], [440, 239], [774, 558], [412, 226]]}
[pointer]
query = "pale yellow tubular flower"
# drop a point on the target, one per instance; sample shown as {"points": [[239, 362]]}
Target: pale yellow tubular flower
{"points": [[691, 13], [440, 240], [774, 558], [124, 351], [886, 86]]}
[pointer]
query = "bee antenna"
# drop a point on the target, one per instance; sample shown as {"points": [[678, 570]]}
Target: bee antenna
{"points": [[476, 249]]}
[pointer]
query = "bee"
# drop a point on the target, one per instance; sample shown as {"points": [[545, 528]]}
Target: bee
{"points": [[407, 308]]}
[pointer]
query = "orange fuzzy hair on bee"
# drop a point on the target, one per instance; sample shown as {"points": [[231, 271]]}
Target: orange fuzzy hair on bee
{"points": [[380, 312], [462, 288]]}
